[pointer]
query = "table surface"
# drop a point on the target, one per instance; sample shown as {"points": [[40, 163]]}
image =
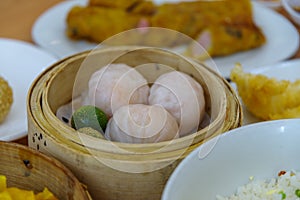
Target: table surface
{"points": [[18, 16]]}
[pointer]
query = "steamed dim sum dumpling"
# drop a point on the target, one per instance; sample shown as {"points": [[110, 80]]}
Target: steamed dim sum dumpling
{"points": [[182, 96], [139, 123], [116, 85]]}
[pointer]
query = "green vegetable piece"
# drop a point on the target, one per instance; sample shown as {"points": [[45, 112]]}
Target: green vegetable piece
{"points": [[297, 192], [91, 132], [283, 195], [89, 116]]}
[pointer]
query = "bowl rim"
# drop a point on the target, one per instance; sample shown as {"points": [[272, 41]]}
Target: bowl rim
{"points": [[231, 133]]}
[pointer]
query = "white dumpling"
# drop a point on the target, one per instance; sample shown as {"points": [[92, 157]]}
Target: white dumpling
{"points": [[182, 96], [138, 123], [116, 85]]}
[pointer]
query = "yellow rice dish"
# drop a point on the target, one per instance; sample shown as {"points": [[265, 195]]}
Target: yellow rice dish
{"points": [[14, 193], [267, 98]]}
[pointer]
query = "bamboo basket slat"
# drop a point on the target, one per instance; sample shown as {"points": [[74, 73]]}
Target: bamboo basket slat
{"points": [[28, 169], [113, 170]]}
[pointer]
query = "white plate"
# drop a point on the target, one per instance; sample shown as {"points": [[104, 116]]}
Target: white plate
{"points": [[222, 164], [49, 31], [282, 37], [284, 70], [270, 3], [20, 63]]}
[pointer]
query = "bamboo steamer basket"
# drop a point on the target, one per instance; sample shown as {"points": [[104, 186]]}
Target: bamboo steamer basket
{"points": [[29, 169], [113, 170]]}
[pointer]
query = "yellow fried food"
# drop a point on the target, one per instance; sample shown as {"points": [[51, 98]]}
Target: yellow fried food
{"points": [[227, 39], [130, 6], [99, 23], [115, 3], [228, 29], [6, 98], [191, 17], [229, 23], [14, 193], [267, 98], [144, 7]]}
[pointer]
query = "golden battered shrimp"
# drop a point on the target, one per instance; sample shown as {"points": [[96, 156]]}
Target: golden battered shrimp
{"points": [[267, 98]]}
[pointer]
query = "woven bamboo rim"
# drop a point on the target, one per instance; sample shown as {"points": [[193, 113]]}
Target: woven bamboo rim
{"points": [[29, 169]]}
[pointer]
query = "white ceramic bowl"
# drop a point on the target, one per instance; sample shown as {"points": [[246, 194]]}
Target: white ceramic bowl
{"points": [[226, 162], [289, 6]]}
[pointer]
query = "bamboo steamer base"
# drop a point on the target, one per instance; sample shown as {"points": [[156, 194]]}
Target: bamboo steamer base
{"points": [[28, 169], [113, 171]]}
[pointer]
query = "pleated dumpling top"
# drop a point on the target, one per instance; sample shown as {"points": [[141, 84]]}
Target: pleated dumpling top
{"points": [[182, 96], [116, 85], [139, 123]]}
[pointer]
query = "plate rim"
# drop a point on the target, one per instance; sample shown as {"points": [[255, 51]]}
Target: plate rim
{"points": [[21, 132]]}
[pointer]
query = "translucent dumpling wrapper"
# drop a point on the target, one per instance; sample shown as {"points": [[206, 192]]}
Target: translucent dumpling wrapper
{"points": [[182, 96], [116, 85], [139, 123]]}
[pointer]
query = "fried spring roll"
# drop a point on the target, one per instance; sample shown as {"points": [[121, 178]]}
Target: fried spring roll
{"points": [[222, 27], [122, 4], [192, 17], [144, 8], [98, 23], [227, 39]]}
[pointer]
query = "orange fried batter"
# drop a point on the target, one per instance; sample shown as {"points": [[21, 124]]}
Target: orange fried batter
{"points": [[125, 4], [99, 23], [267, 98], [229, 23]]}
